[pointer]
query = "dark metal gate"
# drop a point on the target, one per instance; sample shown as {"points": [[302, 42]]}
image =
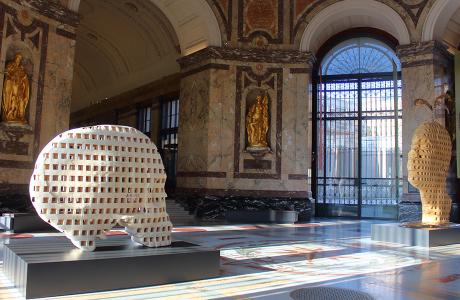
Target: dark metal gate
{"points": [[358, 137]]}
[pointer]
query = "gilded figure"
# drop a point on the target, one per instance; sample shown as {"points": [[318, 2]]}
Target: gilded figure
{"points": [[16, 92], [257, 123]]}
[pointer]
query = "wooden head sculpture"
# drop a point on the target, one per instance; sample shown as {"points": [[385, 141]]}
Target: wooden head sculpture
{"points": [[428, 163], [87, 180]]}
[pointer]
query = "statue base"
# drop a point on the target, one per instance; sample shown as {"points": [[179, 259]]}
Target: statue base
{"points": [[16, 126], [257, 152], [24, 222], [416, 234], [48, 267]]}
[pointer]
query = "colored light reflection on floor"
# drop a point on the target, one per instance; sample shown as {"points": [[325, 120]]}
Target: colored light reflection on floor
{"points": [[274, 251], [285, 275], [270, 262]]}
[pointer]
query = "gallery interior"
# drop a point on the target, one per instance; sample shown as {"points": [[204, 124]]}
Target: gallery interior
{"points": [[230, 149]]}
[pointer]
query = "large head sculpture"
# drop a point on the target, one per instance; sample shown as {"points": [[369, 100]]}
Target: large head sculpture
{"points": [[89, 179], [427, 166]]}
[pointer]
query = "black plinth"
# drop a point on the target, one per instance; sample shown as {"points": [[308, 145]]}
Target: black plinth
{"points": [[422, 237], [24, 222], [46, 267], [262, 216]]}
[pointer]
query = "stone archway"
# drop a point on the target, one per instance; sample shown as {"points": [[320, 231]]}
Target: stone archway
{"points": [[352, 14], [194, 22], [438, 19]]}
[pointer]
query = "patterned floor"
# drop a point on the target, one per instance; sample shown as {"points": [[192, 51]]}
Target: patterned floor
{"points": [[269, 261]]}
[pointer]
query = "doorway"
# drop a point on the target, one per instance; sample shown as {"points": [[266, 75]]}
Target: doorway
{"points": [[358, 118]]}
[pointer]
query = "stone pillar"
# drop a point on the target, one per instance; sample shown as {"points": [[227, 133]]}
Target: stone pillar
{"points": [[426, 73], [218, 86], [44, 33]]}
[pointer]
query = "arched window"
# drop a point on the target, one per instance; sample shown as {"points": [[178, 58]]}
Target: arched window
{"points": [[360, 56], [358, 115]]}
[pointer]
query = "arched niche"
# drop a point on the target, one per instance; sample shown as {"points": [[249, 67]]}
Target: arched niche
{"points": [[29, 62]]}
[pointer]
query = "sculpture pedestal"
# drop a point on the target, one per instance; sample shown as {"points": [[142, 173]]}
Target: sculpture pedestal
{"points": [[24, 222], [262, 216], [422, 237], [47, 267]]}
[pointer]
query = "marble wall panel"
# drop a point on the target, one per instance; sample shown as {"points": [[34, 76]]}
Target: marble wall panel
{"points": [[414, 86], [226, 167], [46, 36], [280, 24], [194, 122], [426, 73], [221, 120]]}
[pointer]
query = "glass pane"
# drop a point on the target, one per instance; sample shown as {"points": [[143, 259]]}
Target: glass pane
{"points": [[360, 56], [170, 115], [359, 131]]}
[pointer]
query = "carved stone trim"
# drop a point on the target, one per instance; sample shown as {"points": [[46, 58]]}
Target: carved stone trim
{"points": [[204, 68], [418, 63], [7, 10], [243, 193], [15, 164], [297, 176], [300, 70], [295, 23], [242, 71], [257, 164], [65, 33], [422, 48], [13, 188], [415, 16], [253, 34], [227, 19], [204, 174], [424, 53], [247, 55], [53, 10]]}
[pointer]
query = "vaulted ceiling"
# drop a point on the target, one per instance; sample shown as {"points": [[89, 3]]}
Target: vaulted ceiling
{"points": [[452, 34], [120, 45]]}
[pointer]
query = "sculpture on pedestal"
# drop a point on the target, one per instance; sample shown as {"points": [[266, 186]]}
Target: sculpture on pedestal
{"points": [[427, 166], [16, 92], [88, 180], [257, 125]]}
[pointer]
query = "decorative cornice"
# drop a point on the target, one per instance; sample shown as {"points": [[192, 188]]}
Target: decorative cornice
{"points": [[424, 54], [66, 34], [241, 193], [422, 48], [247, 55], [203, 174], [191, 71], [52, 10]]}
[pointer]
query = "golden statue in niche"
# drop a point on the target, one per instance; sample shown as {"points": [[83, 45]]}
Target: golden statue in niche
{"points": [[16, 92], [428, 164], [257, 123]]}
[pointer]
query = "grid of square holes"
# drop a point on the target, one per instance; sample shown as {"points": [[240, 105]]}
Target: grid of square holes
{"points": [[429, 160], [89, 179]]}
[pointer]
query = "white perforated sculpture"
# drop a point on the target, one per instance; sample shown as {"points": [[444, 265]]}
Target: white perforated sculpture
{"points": [[89, 179]]}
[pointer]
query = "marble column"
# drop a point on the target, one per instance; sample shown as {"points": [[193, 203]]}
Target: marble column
{"points": [[426, 73], [217, 88]]}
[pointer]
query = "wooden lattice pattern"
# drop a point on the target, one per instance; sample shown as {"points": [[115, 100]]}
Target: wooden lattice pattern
{"points": [[89, 179], [428, 164]]}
